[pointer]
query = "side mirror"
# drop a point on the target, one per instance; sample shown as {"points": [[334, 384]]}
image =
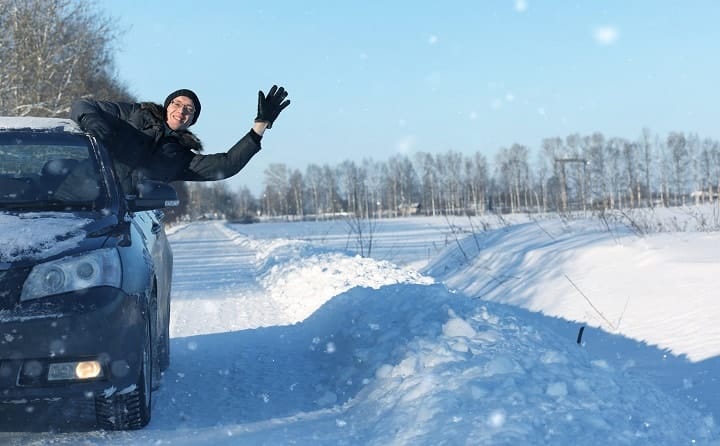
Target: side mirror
{"points": [[152, 195]]}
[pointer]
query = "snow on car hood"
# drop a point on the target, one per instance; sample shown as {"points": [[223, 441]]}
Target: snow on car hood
{"points": [[38, 235]]}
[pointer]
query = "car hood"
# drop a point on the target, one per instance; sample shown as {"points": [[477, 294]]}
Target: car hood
{"points": [[32, 237]]}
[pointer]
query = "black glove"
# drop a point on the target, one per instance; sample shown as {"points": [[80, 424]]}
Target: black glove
{"points": [[97, 126], [270, 106]]}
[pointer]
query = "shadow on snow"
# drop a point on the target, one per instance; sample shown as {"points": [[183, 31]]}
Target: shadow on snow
{"points": [[325, 361]]}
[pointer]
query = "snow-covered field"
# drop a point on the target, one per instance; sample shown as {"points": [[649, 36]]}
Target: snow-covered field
{"points": [[454, 331]]}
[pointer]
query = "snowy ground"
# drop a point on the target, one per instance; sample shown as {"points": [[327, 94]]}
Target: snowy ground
{"points": [[456, 331]]}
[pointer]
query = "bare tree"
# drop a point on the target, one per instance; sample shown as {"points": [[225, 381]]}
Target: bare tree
{"points": [[429, 182], [680, 160], [331, 195], [710, 155], [450, 171], [352, 180], [313, 184], [614, 172], [245, 203], [646, 161], [401, 184], [596, 183], [695, 176], [320, 184], [553, 149], [543, 172], [574, 168], [295, 194], [512, 167], [276, 190], [374, 176], [476, 180], [53, 52], [632, 183]]}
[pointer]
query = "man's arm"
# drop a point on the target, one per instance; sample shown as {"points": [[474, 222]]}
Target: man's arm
{"points": [[219, 166], [224, 165], [259, 127], [100, 118], [82, 107]]}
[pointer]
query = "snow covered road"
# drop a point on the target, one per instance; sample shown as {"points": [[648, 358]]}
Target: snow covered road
{"points": [[215, 280]]}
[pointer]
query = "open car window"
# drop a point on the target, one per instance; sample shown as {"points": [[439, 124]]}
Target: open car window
{"points": [[49, 171]]}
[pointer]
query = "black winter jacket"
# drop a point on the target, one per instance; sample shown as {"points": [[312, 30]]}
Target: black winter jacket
{"points": [[143, 146]]}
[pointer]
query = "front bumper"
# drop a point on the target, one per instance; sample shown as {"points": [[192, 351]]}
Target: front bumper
{"points": [[103, 324]]}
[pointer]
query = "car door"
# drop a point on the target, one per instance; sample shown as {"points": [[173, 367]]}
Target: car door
{"points": [[150, 227]]}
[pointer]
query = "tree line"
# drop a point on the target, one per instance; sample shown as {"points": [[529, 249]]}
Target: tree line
{"points": [[576, 172]]}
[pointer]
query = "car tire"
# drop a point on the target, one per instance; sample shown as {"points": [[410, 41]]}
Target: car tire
{"points": [[130, 410]]}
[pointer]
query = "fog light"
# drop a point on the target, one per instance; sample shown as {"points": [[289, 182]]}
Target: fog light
{"points": [[88, 369], [74, 370]]}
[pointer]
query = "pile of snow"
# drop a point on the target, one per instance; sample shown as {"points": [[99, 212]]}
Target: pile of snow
{"points": [[301, 287], [35, 123], [608, 277], [418, 364]]}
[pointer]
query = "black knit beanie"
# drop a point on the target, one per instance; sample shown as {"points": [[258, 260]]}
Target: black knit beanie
{"points": [[187, 93]]}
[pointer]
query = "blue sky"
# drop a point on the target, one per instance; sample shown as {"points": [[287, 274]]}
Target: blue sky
{"points": [[377, 78]]}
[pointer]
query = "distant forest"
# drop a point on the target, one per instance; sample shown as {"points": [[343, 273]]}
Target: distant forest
{"points": [[572, 173]]}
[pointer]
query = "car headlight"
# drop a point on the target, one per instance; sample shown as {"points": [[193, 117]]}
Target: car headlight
{"points": [[98, 268]]}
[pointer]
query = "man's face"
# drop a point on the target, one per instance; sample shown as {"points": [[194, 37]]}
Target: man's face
{"points": [[180, 112]]}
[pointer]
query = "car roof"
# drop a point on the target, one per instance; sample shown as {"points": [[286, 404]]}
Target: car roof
{"points": [[37, 124]]}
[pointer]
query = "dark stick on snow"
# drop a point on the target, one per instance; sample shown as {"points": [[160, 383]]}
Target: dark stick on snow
{"points": [[580, 333]]}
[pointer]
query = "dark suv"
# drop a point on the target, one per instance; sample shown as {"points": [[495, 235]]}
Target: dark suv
{"points": [[85, 276]]}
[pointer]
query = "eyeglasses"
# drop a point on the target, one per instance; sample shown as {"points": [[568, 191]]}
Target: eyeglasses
{"points": [[189, 109]]}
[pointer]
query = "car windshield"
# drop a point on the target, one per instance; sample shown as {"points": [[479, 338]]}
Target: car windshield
{"points": [[49, 172]]}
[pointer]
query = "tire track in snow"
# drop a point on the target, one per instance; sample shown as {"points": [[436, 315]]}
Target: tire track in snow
{"points": [[214, 283], [234, 356]]}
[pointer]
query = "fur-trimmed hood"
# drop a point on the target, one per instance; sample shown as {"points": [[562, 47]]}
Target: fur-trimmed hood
{"points": [[153, 117]]}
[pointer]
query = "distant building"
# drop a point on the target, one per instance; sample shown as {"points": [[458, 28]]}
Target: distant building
{"points": [[703, 196], [409, 209]]}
